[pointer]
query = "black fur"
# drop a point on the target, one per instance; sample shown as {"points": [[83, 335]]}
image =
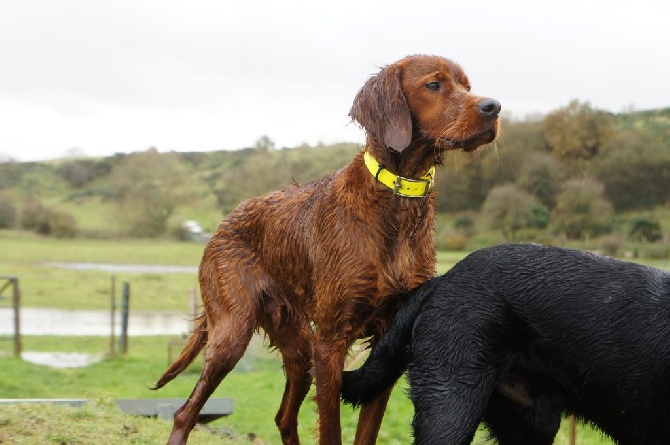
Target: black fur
{"points": [[517, 335]]}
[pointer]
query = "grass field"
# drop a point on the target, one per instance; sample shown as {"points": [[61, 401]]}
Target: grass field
{"points": [[256, 385]]}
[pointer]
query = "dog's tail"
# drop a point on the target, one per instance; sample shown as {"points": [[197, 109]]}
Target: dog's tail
{"points": [[190, 352], [389, 357]]}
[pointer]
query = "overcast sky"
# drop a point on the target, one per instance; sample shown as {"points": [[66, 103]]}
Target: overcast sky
{"points": [[104, 76]]}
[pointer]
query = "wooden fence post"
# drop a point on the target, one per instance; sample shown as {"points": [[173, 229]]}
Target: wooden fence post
{"points": [[125, 303], [16, 297], [112, 338]]}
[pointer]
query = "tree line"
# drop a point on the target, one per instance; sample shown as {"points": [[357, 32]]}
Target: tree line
{"points": [[570, 173]]}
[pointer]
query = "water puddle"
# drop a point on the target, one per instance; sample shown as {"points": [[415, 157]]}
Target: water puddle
{"points": [[123, 268], [61, 360]]}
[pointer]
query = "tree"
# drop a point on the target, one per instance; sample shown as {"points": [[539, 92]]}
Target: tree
{"points": [[542, 175], [581, 209], [577, 131], [264, 143], [75, 173], [509, 209], [459, 184], [255, 175], [635, 171], [148, 187]]}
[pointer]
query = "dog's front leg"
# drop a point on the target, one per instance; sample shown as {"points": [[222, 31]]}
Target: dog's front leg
{"points": [[329, 358]]}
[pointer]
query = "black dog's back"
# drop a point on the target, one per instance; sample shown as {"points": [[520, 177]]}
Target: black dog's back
{"points": [[518, 334]]}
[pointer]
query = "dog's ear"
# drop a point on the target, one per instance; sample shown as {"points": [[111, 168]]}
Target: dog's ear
{"points": [[381, 109]]}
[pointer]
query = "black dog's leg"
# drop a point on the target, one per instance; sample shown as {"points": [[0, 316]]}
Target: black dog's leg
{"points": [[462, 351], [511, 423], [448, 412]]}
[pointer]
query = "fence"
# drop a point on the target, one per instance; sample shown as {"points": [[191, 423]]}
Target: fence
{"points": [[13, 283]]}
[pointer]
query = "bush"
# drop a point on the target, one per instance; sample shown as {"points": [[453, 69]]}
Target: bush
{"points": [[46, 221], [454, 241], [581, 209], [611, 244], [60, 224], [34, 216], [645, 229], [464, 221], [510, 209], [539, 216], [7, 214]]}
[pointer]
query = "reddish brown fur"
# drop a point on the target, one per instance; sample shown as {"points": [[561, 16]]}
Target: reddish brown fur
{"points": [[340, 252]]}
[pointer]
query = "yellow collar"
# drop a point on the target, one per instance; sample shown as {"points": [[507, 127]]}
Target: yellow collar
{"points": [[409, 188]]}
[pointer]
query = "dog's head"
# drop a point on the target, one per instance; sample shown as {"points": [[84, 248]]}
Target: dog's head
{"points": [[425, 98]]}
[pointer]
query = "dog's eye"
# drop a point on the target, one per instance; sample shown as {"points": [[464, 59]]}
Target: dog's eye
{"points": [[433, 86]]}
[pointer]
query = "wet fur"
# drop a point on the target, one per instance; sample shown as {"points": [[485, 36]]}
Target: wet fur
{"points": [[318, 265], [518, 335]]}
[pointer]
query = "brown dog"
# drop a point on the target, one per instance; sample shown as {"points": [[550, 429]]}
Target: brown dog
{"points": [[320, 265]]}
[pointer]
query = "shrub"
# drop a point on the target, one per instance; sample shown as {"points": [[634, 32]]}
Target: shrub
{"points": [[61, 224], [645, 229], [464, 221], [509, 209], [7, 214], [45, 221], [33, 216], [539, 215], [582, 210], [611, 244], [455, 241]]}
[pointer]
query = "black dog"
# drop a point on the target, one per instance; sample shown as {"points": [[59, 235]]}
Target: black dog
{"points": [[519, 334]]}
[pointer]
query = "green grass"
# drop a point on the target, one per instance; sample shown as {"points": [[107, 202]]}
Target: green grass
{"points": [[23, 255], [99, 422], [256, 393], [256, 387]]}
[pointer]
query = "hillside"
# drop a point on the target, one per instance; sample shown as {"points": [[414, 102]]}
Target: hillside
{"points": [[622, 159]]}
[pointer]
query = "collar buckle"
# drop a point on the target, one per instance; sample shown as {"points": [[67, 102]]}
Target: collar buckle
{"points": [[413, 185]]}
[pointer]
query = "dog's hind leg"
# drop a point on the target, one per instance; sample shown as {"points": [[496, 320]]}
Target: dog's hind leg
{"points": [[230, 324], [448, 411], [451, 383], [295, 346]]}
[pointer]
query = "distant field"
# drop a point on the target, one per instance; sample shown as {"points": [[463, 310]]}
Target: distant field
{"points": [[23, 254]]}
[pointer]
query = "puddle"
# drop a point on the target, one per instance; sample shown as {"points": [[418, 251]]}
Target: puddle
{"points": [[39, 321], [61, 359], [124, 268]]}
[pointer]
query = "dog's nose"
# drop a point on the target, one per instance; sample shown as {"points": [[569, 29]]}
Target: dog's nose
{"points": [[489, 107]]}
